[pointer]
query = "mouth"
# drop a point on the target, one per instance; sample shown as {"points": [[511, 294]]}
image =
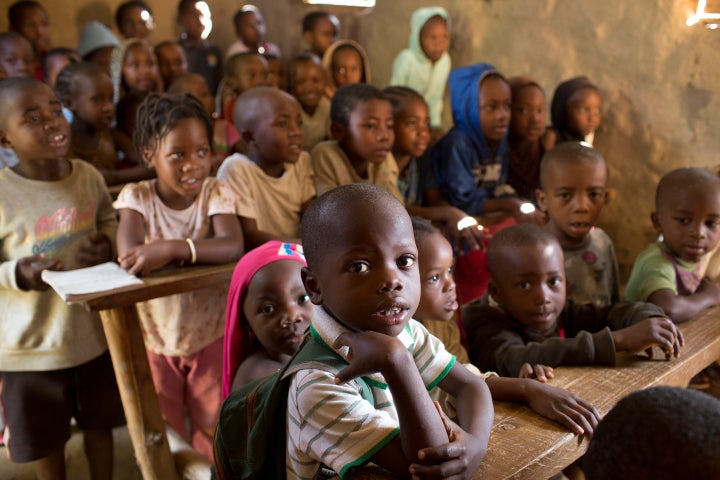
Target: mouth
{"points": [[420, 147], [451, 304], [191, 182], [58, 140], [542, 317], [695, 250], [381, 153], [393, 314], [580, 228]]}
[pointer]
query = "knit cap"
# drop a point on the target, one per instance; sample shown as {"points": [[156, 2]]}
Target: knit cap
{"points": [[95, 35]]}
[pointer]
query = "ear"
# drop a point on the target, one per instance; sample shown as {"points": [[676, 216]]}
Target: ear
{"points": [[4, 141], [147, 158], [337, 131], [540, 197], [307, 38], [493, 290], [655, 222], [312, 286], [67, 102], [247, 136]]}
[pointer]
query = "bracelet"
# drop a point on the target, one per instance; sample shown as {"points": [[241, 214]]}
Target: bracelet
{"points": [[193, 252]]}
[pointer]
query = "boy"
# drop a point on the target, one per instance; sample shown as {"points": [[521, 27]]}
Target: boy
{"points": [[306, 82], [425, 65], [525, 318], [363, 275], [172, 63], [319, 30], [573, 192], [250, 32], [16, 55], [243, 71], [669, 273], [203, 56], [29, 19], [362, 128], [56, 214], [436, 311], [274, 182]]}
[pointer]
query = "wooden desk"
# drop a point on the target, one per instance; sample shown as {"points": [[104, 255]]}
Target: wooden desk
{"points": [[127, 349], [524, 445]]}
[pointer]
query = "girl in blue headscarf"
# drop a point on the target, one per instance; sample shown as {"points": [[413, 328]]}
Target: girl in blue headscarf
{"points": [[470, 163]]}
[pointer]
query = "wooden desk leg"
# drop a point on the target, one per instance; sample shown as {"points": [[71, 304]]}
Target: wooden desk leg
{"points": [[142, 410]]}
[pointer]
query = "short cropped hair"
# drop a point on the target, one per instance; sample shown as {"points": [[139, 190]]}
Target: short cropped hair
{"points": [[10, 88], [659, 433], [317, 223], [348, 96], [18, 9], [310, 20], [512, 238], [300, 59], [689, 177], [185, 5], [422, 227], [65, 81], [568, 153], [232, 64]]}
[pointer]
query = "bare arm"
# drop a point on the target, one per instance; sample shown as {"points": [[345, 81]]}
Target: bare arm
{"points": [[683, 307]]}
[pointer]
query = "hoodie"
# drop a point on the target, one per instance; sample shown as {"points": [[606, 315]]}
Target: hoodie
{"points": [[412, 68], [466, 170]]}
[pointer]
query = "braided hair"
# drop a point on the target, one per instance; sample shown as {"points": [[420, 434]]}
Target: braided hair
{"points": [[65, 81], [399, 94]]}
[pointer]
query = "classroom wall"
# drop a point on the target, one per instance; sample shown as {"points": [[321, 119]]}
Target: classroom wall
{"points": [[660, 78]]}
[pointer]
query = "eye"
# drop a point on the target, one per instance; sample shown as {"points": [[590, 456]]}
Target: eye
{"points": [[434, 279], [267, 308], [597, 195], [177, 155], [282, 123], [203, 152], [555, 281], [406, 261], [711, 223], [682, 220], [303, 299], [564, 195], [523, 285], [359, 267]]}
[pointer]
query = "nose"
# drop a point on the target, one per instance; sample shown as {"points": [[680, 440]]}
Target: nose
{"points": [[542, 294], [390, 280], [699, 230], [582, 202], [292, 315], [448, 283]]}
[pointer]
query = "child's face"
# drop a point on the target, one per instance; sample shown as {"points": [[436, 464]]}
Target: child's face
{"points": [[583, 111], [53, 65], [277, 307], [197, 87], [17, 58], [252, 72], [531, 285], [347, 67], [689, 221], [182, 161], [35, 26], [171, 62], [529, 114], [438, 300], [369, 135], [494, 109], [276, 76], [196, 22], [101, 57], [35, 126], [434, 38], [136, 23], [368, 278], [573, 197], [251, 29], [321, 36], [277, 138], [139, 69], [412, 128], [309, 84], [93, 101]]}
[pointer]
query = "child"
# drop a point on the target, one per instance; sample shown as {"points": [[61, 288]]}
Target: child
{"points": [[133, 68], [470, 163], [250, 32], [687, 215], [525, 318], [171, 62], [182, 217], [56, 214], [243, 71], [436, 311], [575, 111], [680, 437], [527, 134], [363, 276], [55, 60], [276, 71], [274, 182], [30, 20], [573, 192], [319, 30], [306, 82], [268, 313], [134, 19], [203, 56], [425, 65], [225, 135], [97, 42], [345, 62], [362, 126], [16, 55]]}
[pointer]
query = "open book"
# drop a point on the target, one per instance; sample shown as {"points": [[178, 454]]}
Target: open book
{"points": [[75, 286]]}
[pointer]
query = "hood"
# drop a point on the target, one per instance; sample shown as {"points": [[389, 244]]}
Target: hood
{"points": [[558, 109], [327, 60], [417, 22], [116, 64], [464, 84]]}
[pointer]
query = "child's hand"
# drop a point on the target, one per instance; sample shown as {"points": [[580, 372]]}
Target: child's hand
{"points": [[29, 270], [472, 234], [458, 459], [654, 331], [562, 406], [143, 259], [370, 352], [96, 248], [539, 372]]}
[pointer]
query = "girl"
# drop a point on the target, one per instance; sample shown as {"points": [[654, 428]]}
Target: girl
{"points": [[133, 68], [575, 111], [345, 62], [268, 312], [184, 216]]}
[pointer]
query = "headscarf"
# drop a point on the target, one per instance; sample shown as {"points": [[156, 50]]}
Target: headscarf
{"points": [[237, 341], [327, 61], [116, 64], [558, 109]]}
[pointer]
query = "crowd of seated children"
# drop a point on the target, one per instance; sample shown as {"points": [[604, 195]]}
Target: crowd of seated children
{"points": [[573, 192], [182, 216], [273, 183], [525, 316], [268, 313]]}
